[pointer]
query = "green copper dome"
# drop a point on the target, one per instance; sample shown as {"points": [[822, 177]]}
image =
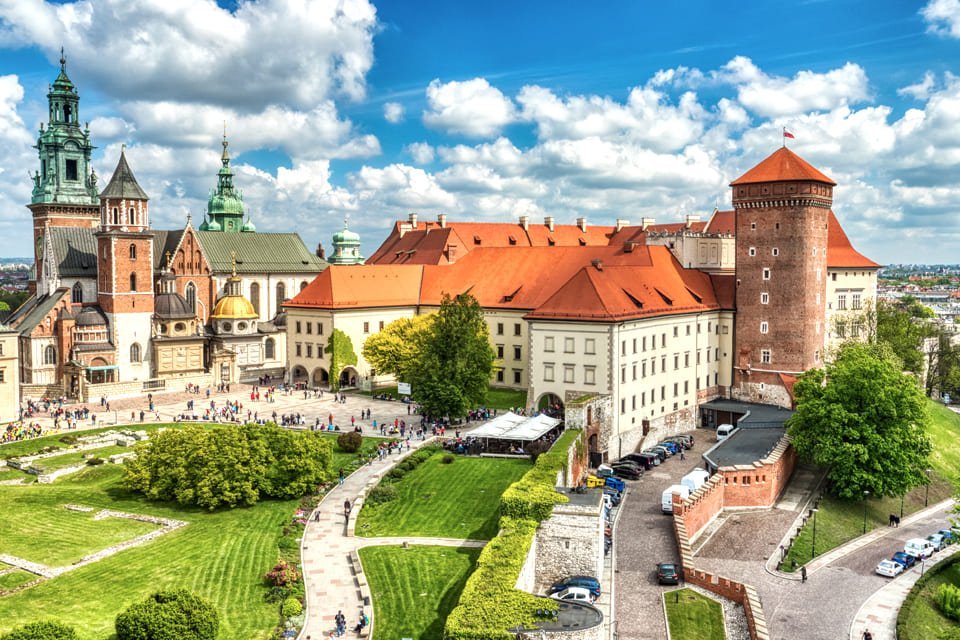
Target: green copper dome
{"points": [[225, 207], [345, 236], [248, 227], [211, 225], [346, 247]]}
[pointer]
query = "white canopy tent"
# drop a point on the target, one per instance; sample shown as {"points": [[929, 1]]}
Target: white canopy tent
{"points": [[510, 426]]}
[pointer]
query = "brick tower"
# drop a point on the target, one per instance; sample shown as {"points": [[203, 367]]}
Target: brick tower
{"points": [[65, 187], [782, 210], [125, 270]]}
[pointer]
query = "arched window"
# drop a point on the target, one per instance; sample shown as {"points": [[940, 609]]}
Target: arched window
{"points": [[281, 293], [76, 296], [135, 352], [50, 355], [133, 282], [131, 216], [192, 295], [133, 252], [116, 215], [269, 349], [255, 296], [303, 285]]}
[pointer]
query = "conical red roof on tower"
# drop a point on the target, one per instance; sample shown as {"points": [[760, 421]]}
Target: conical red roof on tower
{"points": [[782, 165]]}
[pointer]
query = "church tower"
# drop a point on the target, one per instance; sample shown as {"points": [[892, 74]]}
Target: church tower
{"points": [[782, 210], [225, 206], [65, 187], [125, 270], [346, 247]]}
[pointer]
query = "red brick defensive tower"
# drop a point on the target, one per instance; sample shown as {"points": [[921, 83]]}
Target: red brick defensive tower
{"points": [[782, 209]]}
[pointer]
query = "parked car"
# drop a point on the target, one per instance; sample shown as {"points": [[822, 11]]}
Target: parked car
{"points": [[660, 449], [628, 473], [641, 459], [724, 431], [658, 455], [674, 447], [666, 498], [668, 573], [904, 559], [890, 568], [937, 541], [616, 484], [686, 440], [589, 583], [919, 547], [948, 535], [615, 496], [576, 594]]}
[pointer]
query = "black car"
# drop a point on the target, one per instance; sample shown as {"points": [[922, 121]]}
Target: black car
{"points": [[589, 583], [668, 573], [615, 496], [627, 472], [660, 453], [642, 460]]}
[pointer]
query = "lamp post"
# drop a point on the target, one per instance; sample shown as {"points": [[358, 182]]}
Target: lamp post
{"points": [[813, 550], [901, 505], [866, 494]]}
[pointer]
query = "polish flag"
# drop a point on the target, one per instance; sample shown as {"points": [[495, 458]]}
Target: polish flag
{"points": [[787, 134]]}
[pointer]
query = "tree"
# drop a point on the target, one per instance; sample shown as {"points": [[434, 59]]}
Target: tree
{"points": [[903, 326], [340, 350], [299, 462], [865, 420], [351, 441], [453, 371], [45, 630], [169, 615], [396, 349]]}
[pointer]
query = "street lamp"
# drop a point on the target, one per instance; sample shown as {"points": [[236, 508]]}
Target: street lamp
{"points": [[813, 551], [866, 494]]}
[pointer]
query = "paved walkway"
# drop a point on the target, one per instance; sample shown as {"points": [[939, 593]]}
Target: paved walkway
{"points": [[328, 572]]}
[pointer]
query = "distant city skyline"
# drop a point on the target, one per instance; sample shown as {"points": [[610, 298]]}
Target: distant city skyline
{"points": [[487, 112]]}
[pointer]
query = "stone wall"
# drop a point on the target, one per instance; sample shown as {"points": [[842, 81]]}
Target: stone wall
{"points": [[527, 580], [113, 390], [38, 391], [569, 542]]}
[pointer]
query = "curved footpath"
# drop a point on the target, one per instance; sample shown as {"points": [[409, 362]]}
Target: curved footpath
{"points": [[326, 552]]}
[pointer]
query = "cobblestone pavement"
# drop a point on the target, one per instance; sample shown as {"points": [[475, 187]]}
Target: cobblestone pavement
{"points": [[644, 537]]}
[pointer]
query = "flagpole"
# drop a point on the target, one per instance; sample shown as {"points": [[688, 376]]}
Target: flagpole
{"points": [[783, 135]]}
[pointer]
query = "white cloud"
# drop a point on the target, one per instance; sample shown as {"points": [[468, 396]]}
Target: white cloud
{"points": [[472, 108], [399, 186], [393, 112], [421, 152], [943, 17], [919, 90]]}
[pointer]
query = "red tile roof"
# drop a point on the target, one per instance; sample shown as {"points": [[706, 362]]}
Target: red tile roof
{"points": [[782, 164], [357, 286], [840, 253], [724, 222]]}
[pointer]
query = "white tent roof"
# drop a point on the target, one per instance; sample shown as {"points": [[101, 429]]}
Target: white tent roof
{"points": [[510, 426]]}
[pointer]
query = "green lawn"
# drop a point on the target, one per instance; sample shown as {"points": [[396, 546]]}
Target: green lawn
{"points": [[9, 473], [458, 500], [920, 618], [692, 616], [839, 521], [15, 579], [70, 459], [414, 589], [505, 399]]}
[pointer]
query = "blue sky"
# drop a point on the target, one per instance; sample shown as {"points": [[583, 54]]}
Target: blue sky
{"points": [[488, 111]]}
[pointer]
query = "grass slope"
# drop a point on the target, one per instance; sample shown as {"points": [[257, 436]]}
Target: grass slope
{"points": [[15, 579], [692, 616], [944, 432], [921, 619], [458, 500], [414, 589]]}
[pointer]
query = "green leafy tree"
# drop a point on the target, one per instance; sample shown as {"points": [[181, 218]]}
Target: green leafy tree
{"points": [[169, 615], [340, 349], [453, 371], [45, 630], [299, 462], [396, 349], [903, 326], [865, 420]]}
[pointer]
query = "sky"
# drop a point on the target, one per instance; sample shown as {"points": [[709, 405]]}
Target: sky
{"points": [[367, 111]]}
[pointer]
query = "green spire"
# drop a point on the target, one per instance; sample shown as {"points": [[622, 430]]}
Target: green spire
{"points": [[225, 207]]}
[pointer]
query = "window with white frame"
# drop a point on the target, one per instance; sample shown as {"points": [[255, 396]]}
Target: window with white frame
{"points": [[775, 251], [764, 327], [568, 374], [766, 274], [752, 251], [855, 302], [842, 302], [548, 372], [548, 344], [765, 356], [590, 346], [589, 375], [568, 345], [764, 298]]}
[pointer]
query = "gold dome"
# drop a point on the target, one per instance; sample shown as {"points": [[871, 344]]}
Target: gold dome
{"points": [[234, 307]]}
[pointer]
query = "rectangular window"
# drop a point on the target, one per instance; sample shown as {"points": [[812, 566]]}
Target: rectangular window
{"points": [[643, 369], [623, 405], [856, 304], [298, 326], [764, 327], [775, 252], [590, 346], [842, 302], [548, 372], [516, 376], [309, 350], [366, 327], [726, 330], [688, 330], [298, 350], [548, 344], [686, 359], [310, 328], [517, 352], [499, 375], [765, 356], [499, 328], [568, 375], [623, 348], [686, 386], [676, 331], [634, 376], [72, 173], [644, 343], [708, 354], [381, 325], [676, 361], [753, 226], [841, 330], [653, 366], [516, 329], [320, 328], [633, 403], [589, 375], [752, 251], [855, 329], [663, 364], [500, 351], [764, 298], [676, 389], [643, 399], [3, 373], [623, 374], [568, 345], [766, 274], [663, 340]]}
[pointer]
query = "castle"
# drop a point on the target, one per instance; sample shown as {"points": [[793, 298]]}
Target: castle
{"points": [[120, 308]]}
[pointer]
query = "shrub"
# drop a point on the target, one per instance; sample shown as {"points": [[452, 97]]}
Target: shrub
{"points": [[350, 441], [448, 458], [282, 574], [169, 615], [382, 493], [291, 607], [93, 462], [947, 598], [45, 630], [69, 438], [396, 473]]}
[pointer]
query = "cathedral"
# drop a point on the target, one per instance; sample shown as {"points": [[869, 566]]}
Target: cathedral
{"points": [[121, 308]]}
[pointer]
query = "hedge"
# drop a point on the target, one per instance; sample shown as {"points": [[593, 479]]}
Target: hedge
{"points": [[44, 630], [903, 631], [490, 604]]}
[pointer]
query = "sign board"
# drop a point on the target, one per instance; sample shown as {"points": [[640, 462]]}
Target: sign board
{"points": [[403, 388]]}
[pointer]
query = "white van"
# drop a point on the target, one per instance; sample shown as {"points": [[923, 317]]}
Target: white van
{"points": [[666, 500], [724, 431], [919, 548], [695, 479]]}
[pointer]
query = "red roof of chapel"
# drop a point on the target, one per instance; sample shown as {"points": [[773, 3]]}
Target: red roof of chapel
{"points": [[781, 165]]}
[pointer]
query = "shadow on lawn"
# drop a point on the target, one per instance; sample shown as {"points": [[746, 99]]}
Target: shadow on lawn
{"points": [[449, 600]]}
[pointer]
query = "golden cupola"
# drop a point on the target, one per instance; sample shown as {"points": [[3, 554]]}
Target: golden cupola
{"points": [[233, 306]]}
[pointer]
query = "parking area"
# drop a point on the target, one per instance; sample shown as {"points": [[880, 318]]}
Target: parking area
{"points": [[644, 537]]}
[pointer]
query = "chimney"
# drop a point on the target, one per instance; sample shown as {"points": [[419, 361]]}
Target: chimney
{"points": [[525, 222], [442, 220], [691, 218], [413, 220], [646, 222], [451, 253], [582, 223], [622, 223], [597, 264], [548, 220]]}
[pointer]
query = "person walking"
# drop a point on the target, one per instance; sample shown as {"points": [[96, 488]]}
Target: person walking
{"points": [[803, 573], [346, 510], [341, 476]]}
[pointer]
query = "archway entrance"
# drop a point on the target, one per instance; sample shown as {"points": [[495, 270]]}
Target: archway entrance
{"points": [[299, 375], [349, 377], [320, 377], [551, 404]]}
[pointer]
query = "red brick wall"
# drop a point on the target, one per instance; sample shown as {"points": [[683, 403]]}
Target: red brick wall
{"points": [[115, 267], [702, 506], [61, 216], [189, 265]]}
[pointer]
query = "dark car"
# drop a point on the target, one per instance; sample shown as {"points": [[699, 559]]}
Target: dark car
{"points": [[642, 460], [686, 441], [660, 452], [948, 536], [905, 559], [628, 473], [615, 496], [627, 463], [673, 446], [657, 457], [667, 450], [668, 573], [590, 584]]}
